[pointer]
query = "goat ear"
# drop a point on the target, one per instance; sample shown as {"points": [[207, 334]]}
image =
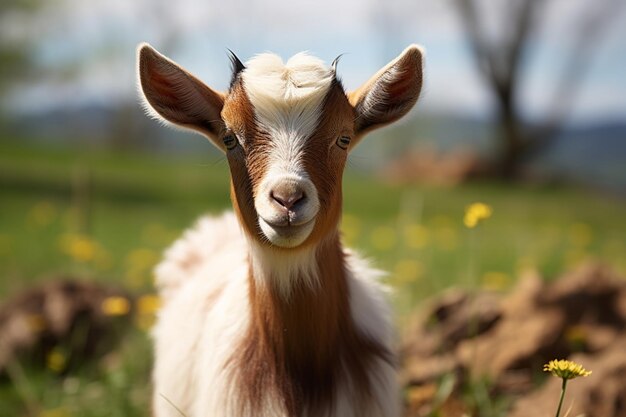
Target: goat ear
{"points": [[173, 95], [390, 93]]}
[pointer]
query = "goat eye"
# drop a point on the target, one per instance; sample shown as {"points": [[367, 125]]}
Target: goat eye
{"points": [[230, 141], [343, 142]]}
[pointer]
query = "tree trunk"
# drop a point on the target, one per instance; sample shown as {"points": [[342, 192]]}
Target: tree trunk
{"points": [[511, 151]]}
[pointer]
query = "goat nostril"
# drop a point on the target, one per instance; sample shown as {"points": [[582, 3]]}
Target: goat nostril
{"points": [[287, 200]]}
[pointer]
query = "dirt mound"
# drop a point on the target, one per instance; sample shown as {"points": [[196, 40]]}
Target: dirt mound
{"points": [[506, 340], [78, 319], [430, 166]]}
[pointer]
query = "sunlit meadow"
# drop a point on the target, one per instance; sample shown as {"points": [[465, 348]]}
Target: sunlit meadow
{"points": [[106, 217]]}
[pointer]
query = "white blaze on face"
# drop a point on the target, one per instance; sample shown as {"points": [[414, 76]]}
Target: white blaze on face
{"points": [[287, 99]]}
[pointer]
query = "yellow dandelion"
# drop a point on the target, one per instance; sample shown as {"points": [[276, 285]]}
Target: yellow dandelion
{"points": [[56, 360], [115, 306], [476, 213], [565, 369], [79, 247], [148, 304]]}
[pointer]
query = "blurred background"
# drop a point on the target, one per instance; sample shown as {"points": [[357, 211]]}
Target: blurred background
{"points": [[523, 109]]}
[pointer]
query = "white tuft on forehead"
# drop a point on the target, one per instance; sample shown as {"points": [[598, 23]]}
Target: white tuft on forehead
{"points": [[303, 79], [287, 100]]}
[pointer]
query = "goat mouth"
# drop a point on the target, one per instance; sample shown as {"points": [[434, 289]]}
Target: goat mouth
{"points": [[287, 222], [286, 234]]}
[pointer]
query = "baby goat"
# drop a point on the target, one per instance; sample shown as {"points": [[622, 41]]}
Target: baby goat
{"points": [[265, 314]]}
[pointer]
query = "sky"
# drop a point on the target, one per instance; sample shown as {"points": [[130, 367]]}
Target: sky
{"points": [[87, 49]]}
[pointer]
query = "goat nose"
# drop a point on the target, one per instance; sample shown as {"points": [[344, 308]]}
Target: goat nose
{"points": [[287, 197]]}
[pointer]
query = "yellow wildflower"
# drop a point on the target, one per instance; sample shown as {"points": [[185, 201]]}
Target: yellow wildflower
{"points": [[81, 248], [148, 304], [476, 213], [565, 369], [56, 360], [115, 306]]}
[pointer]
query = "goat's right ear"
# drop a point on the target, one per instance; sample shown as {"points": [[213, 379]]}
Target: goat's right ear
{"points": [[173, 95], [389, 94]]}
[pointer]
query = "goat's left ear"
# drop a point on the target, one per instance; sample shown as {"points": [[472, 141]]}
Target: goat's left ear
{"points": [[390, 93], [173, 95]]}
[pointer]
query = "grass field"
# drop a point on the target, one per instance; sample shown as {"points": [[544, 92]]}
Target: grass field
{"points": [[105, 216]]}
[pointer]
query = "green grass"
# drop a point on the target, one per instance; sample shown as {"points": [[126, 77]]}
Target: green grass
{"points": [[107, 216]]}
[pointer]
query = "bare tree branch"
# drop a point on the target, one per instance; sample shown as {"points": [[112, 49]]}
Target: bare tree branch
{"points": [[500, 59], [575, 67], [478, 43]]}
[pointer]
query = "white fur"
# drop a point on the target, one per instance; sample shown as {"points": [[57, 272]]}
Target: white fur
{"points": [[269, 214], [287, 101], [280, 270], [206, 313]]}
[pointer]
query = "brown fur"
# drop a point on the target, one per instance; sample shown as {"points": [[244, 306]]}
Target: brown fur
{"points": [[323, 160], [298, 351], [244, 161]]}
